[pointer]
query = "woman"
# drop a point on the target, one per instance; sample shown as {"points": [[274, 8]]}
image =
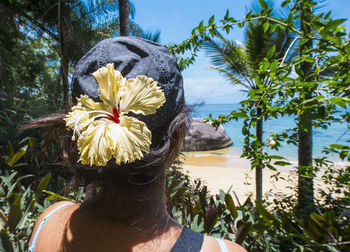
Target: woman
{"points": [[123, 133]]}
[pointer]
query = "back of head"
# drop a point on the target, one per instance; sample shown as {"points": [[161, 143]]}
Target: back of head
{"points": [[128, 116], [133, 56]]}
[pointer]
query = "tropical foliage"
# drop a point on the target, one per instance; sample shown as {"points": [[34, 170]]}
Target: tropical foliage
{"points": [[240, 63]]}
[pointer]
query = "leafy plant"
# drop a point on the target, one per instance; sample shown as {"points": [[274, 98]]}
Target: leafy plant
{"points": [[253, 225]]}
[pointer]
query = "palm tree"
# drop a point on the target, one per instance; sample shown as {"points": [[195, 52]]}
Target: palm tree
{"points": [[240, 63], [124, 17]]}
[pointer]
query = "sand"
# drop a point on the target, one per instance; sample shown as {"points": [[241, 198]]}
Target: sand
{"points": [[224, 171]]}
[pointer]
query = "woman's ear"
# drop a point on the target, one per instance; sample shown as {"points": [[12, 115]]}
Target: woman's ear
{"points": [[176, 145]]}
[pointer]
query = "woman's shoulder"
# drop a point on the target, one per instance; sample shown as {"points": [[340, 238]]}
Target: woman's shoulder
{"points": [[51, 221], [62, 207], [212, 244]]}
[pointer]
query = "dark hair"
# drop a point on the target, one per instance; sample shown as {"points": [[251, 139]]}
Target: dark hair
{"points": [[135, 177]]}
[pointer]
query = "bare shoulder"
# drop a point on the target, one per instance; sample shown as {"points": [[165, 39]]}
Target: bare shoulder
{"points": [[65, 209], [68, 207], [211, 244]]}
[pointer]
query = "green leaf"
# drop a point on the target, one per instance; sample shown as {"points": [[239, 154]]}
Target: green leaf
{"points": [[281, 163], [340, 101], [211, 20], [263, 4], [276, 157], [273, 28], [177, 188], [257, 80], [271, 52], [10, 150], [57, 196], [200, 26], [328, 14], [5, 243], [266, 26], [231, 206], [15, 216], [227, 14], [343, 154], [30, 141], [194, 224], [285, 3], [20, 153], [319, 219], [314, 230], [43, 184], [334, 23], [339, 146], [263, 211]]}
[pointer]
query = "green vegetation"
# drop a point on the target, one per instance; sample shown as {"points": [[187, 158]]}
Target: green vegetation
{"points": [[240, 64], [312, 86], [308, 78]]}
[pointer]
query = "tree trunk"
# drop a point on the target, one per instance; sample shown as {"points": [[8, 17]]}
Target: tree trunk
{"points": [[305, 169], [64, 69], [64, 60], [124, 17], [2, 86], [259, 168], [1, 77], [57, 98]]}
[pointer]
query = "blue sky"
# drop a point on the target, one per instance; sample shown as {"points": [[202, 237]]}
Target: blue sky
{"points": [[176, 19]]}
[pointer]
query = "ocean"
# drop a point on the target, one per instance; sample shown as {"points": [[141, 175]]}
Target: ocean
{"points": [[336, 133]]}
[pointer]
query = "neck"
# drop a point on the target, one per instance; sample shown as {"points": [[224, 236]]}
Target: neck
{"points": [[138, 212]]}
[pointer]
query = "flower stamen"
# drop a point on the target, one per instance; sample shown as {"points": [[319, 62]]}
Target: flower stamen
{"points": [[115, 116]]}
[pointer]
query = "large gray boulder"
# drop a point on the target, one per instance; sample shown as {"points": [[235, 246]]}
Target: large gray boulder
{"points": [[201, 136]]}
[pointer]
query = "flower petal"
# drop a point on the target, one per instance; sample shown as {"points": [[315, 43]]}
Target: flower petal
{"points": [[90, 105], [141, 95], [132, 138], [110, 82], [78, 118], [96, 143]]}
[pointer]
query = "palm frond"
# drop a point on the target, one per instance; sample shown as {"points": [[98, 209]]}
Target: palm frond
{"points": [[256, 44], [255, 7], [229, 56], [231, 77], [152, 35]]}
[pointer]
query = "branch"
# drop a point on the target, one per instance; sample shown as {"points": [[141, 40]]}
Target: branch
{"points": [[245, 21], [329, 43], [18, 10], [289, 48], [336, 243], [281, 23]]}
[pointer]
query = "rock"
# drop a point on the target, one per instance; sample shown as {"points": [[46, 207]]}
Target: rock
{"points": [[201, 136]]}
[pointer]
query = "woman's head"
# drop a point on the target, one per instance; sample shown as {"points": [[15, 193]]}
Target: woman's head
{"points": [[131, 57]]}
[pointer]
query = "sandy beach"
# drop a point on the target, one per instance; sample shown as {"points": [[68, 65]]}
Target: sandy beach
{"points": [[221, 170]]}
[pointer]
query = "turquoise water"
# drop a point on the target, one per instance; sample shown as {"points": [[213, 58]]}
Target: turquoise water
{"points": [[336, 133]]}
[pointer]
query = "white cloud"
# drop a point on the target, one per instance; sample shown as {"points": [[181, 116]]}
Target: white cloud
{"points": [[239, 42], [203, 84], [211, 90]]}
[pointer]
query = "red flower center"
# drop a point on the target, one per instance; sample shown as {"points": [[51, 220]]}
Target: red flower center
{"points": [[115, 116]]}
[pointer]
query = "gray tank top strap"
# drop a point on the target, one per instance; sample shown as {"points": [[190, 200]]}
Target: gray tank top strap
{"points": [[188, 241]]}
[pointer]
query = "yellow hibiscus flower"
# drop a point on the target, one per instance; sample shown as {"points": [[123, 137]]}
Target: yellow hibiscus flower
{"points": [[104, 129]]}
